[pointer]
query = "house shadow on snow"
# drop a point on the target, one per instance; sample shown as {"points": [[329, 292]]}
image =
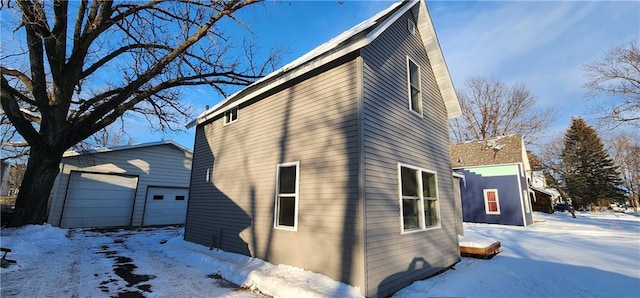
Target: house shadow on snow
{"points": [[391, 281]]}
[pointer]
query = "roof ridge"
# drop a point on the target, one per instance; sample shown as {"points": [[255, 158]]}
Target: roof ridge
{"points": [[71, 153]]}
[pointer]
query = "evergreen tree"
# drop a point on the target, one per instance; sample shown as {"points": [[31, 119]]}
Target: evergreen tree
{"points": [[589, 174]]}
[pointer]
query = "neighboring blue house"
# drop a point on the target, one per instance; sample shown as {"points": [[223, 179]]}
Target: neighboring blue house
{"points": [[496, 185]]}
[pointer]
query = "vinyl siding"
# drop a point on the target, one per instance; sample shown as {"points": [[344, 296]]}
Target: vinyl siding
{"points": [[313, 121], [161, 165], [392, 134], [509, 194]]}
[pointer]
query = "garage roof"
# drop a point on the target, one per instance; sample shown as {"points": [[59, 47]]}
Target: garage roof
{"points": [[125, 147]]}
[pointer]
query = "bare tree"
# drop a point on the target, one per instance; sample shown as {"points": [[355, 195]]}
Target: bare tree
{"points": [[83, 65], [626, 155], [617, 76], [551, 162], [492, 108], [12, 146]]}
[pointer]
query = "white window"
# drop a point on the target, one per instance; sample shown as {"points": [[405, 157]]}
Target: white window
{"points": [[418, 198], [411, 26], [415, 93], [491, 201], [231, 115], [286, 209]]}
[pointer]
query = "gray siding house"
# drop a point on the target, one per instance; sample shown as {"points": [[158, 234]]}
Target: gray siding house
{"points": [[338, 162], [134, 185]]}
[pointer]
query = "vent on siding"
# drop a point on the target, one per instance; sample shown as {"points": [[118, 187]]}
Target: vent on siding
{"points": [[412, 27]]}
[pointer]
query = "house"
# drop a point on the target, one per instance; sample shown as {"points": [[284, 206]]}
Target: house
{"points": [[339, 161], [135, 185], [543, 197], [496, 186], [5, 178]]}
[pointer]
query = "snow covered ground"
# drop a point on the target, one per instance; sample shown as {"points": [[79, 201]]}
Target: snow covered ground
{"points": [[594, 255]]}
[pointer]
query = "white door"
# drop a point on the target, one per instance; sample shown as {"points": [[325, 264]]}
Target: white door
{"points": [[98, 200], [165, 206]]}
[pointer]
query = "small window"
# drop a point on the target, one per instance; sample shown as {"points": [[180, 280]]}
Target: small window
{"points": [[419, 199], [415, 93], [411, 26], [158, 197], [179, 198], [286, 209], [491, 201], [231, 115]]}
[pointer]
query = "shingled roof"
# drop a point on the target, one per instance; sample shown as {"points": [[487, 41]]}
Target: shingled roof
{"points": [[494, 151]]}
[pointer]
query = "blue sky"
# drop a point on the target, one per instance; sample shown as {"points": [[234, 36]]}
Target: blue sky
{"points": [[543, 44]]}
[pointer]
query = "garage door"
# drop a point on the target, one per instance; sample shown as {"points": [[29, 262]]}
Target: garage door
{"points": [[165, 206], [98, 200]]}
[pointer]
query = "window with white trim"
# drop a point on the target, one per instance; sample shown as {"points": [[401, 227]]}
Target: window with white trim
{"points": [[286, 209], [231, 115], [491, 201], [413, 84], [411, 26], [418, 198]]}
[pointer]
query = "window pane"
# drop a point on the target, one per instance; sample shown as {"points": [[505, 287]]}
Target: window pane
{"points": [[493, 206], [410, 214], [234, 114], [158, 197], [287, 180], [414, 74], [428, 185], [430, 213], [491, 196], [415, 99], [409, 182], [286, 211], [179, 198]]}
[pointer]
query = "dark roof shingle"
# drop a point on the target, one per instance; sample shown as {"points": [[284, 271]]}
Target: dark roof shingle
{"points": [[498, 150]]}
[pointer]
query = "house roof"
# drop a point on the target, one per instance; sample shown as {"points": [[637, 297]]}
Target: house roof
{"points": [[347, 42], [548, 191], [126, 147], [499, 150]]}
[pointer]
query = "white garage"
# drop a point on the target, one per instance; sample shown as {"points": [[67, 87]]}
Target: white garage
{"points": [[165, 206], [134, 185], [98, 200]]}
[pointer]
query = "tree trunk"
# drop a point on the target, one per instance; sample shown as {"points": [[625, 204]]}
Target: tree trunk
{"points": [[41, 172]]}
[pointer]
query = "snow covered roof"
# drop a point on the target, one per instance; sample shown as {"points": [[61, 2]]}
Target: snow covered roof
{"points": [[126, 147], [345, 43], [493, 151], [550, 191]]}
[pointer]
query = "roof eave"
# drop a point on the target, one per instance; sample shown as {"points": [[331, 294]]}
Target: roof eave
{"points": [[72, 153], [308, 62], [314, 60], [438, 63]]}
